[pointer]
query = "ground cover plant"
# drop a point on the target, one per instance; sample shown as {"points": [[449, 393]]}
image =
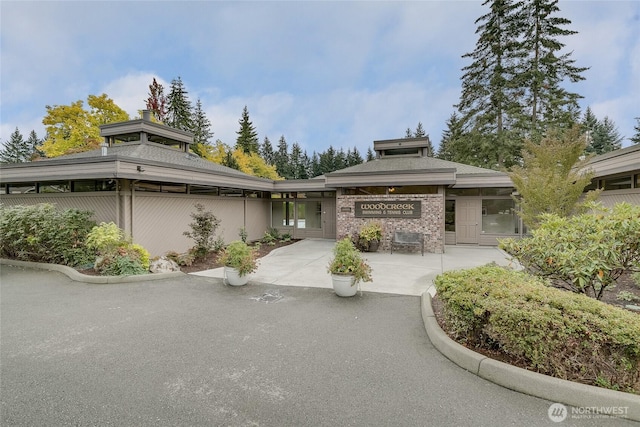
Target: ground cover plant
{"points": [[585, 253], [117, 255], [547, 330], [41, 233]]}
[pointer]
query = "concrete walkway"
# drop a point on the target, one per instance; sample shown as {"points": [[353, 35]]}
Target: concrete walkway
{"points": [[305, 264]]}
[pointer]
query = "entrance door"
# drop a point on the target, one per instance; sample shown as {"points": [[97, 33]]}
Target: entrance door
{"points": [[329, 219], [468, 217]]}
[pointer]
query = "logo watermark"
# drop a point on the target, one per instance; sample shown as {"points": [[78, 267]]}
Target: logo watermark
{"points": [[558, 412]]}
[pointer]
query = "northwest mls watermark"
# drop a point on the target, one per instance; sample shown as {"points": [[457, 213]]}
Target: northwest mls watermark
{"points": [[558, 412]]}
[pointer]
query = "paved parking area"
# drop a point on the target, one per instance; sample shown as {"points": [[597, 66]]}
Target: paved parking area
{"points": [[191, 351]]}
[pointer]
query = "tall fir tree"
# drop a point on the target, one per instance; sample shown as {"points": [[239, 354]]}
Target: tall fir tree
{"points": [[408, 133], [354, 157], [544, 71], [33, 145], [179, 114], [602, 136], [247, 139], [266, 151], [370, 155], [297, 163], [201, 128], [281, 159], [157, 101], [636, 136], [15, 150], [453, 132], [487, 101]]}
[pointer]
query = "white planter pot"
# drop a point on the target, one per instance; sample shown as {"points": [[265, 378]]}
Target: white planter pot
{"points": [[234, 278], [342, 285]]}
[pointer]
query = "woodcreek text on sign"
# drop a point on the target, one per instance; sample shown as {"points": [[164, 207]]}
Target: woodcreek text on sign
{"points": [[388, 209]]}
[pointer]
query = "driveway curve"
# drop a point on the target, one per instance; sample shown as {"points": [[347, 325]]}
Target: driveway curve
{"points": [[192, 351]]}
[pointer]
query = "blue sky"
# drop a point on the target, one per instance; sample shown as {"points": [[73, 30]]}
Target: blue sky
{"points": [[320, 73]]}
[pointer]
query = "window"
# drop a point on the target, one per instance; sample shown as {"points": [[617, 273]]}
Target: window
{"points": [[203, 189], [619, 183], [491, 191], [93, 185], [414, 189], [309, 214], [22, 188], [450, 215], [499, 217], [282, 214], [54, 187], [462, 192]]}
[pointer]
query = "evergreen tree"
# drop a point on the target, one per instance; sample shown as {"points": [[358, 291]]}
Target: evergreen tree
{"points": [[636, 137], [16, 150], [157, 101], [314, 165], [453, 133], [247, 139], [543, 72], [419, 133], [201, 130], [266, 151], [297, 164], [408, 133], [281, 159], [488, 99], [370, 154], [33, 145], [602, 136], [179, 115], [353, 157]]}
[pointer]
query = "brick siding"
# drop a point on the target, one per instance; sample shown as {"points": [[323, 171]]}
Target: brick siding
{"points": [[431, 222]]}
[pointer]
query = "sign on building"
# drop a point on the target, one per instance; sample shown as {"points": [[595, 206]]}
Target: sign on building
{"points": [[388, 209]]}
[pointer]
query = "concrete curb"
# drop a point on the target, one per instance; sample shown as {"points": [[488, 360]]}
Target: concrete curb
{"points": [[527, 382], [79, 277]]}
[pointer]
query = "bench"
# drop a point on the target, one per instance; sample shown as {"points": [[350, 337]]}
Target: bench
{"points": [[407, 238]]}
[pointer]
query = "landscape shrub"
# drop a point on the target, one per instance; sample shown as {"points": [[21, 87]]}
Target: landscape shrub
{"points": [[41, 233], [584, 253], [118, 256], [558, 333], [203, 231]]}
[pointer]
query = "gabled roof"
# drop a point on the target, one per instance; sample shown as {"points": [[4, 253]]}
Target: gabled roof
{"points": [[391, 164]]}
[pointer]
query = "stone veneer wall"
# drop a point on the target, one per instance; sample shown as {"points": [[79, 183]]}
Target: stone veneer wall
{"points": [[431, 222]]}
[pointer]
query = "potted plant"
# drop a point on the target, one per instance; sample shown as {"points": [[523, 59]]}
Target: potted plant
{"points": [[239, 261], [370, 235], [348, 268]]}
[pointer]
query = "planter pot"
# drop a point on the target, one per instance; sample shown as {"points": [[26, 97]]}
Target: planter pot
{"points": [[234, 278], [373, 245], [342, 285]]}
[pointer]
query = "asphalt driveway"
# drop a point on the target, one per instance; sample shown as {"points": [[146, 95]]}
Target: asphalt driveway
{"points": [[192, 351]]}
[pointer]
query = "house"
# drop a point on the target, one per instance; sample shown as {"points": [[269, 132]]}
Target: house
{"points": [[146, 181]]}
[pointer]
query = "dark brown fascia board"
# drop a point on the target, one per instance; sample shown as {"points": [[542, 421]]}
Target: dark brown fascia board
{"points": [[135, 126]]}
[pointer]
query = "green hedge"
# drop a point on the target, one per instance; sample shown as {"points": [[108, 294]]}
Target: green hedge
{"points": [[41, 233], [554, 332]]}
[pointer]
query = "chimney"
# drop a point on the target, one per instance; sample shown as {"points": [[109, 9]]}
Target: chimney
{"points": [[146, 115]]}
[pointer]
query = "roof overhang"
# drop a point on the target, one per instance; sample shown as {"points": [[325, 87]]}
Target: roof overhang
{"points": [[118, 167], [292, 185], [137, 126], [616, 162], [385, 178], [483, 180]]}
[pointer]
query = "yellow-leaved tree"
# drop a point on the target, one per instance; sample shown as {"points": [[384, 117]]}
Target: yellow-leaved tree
{"points": [[73, 129], [251, 164]]}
